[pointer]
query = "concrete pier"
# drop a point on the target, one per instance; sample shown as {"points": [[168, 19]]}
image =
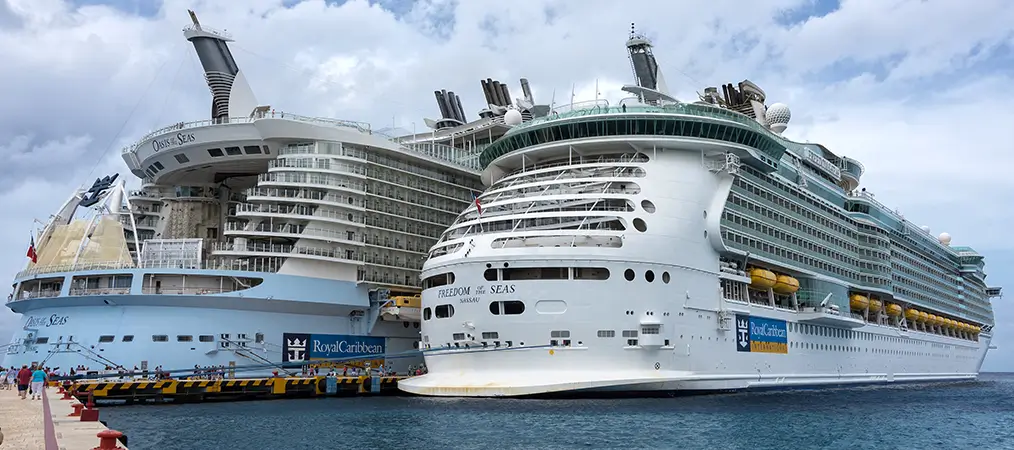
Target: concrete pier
{"points": [[45, 424]]}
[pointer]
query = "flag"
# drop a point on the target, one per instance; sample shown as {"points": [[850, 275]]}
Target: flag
{"points": [[478, 205], [31, 252]]}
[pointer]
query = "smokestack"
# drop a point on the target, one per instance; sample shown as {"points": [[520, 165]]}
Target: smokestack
{"points": [[452, 105], [447, 104], [485, 91], [506, 94], [461, 111], [497, 92], [441, 104], [526, 90]]}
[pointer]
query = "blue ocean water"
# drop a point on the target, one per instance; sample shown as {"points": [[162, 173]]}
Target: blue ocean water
{"points": [[972, 415]]}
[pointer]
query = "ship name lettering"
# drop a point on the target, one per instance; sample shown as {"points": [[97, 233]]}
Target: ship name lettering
{"points": [[501, 289], [765, 330], [469, 300], [454, 292], [172, 141], [51, 321]]}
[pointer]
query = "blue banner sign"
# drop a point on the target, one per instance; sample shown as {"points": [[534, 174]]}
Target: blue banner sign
{"points": [[761, 335], [302, 347]]}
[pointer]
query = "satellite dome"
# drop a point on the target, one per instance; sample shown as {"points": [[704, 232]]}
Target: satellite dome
{"points": [[778, 116], [945, 238], [925, 228], [512, 117]]}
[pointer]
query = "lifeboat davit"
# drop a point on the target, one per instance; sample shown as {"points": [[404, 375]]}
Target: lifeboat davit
{"points": [[893, 310], [875, 305], [859, 302], [762, 279], [912, 315], [785, 285]]}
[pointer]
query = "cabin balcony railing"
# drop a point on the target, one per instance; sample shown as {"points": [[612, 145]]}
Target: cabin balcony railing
{"points": [[99, 291], [26, 295], [185, 290]]}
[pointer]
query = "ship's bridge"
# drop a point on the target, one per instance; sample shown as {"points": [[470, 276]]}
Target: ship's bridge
{"points": [[209, 151]]}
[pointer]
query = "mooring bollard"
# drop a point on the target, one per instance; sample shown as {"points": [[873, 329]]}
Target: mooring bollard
{"points": [[90, 413], [77, 410], [108, 440]]}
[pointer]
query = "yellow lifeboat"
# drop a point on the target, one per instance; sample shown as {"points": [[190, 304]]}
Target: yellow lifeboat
{"points": [[893, 310], [924, 316], [912, 315], [933, 320], [976, 329], [875, 305], [951, 324], [859, 302], [762, 279], [785, 285], [965, 327]]}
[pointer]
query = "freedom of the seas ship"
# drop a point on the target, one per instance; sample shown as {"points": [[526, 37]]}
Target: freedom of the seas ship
{"points": [[658, 246], [256, 238]]}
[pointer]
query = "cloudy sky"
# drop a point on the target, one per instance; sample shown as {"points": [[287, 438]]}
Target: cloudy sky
{"points": [[913, 89]]}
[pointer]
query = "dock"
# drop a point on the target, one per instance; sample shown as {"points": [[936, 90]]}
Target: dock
{"points": [[195, 391], [48, 424]]}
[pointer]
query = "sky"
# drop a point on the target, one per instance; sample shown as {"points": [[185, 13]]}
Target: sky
{"points": [[910, 88]]}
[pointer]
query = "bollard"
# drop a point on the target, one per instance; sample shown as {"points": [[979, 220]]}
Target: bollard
{"points": [[68, 394], [77, 410], [107, 440], [91, 413]]}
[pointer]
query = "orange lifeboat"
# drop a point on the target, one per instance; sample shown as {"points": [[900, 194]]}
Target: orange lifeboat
{"points": [[924, 316], [875, 305], [762, 279], [912, 315], [785, 285], [859, 302], [893, 310]]}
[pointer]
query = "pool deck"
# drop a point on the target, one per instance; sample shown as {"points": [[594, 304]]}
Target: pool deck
{"points": [[25, 424]]}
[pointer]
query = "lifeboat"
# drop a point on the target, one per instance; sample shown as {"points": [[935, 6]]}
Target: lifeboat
{"points": [[951, 323], [875, 305], [859, 302], [893, 310], [924, 316], [762, 279], [402, 308], [976, 329], [912, 315], [785, 285], [933, 320], [965, 327]]}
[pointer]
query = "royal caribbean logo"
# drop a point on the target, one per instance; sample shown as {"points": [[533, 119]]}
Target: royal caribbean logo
{"points": [[761, 335], [294, 347]]}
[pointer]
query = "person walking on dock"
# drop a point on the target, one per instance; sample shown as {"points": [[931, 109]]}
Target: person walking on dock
{"points": [[38, 383], [24, 377]]}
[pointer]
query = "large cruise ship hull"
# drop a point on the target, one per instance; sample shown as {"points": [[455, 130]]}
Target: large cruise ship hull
{"points": [[244, 331], [701, 357]]}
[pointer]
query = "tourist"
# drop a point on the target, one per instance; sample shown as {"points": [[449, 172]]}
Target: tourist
{"points": [[38, 382], [24, 377]]}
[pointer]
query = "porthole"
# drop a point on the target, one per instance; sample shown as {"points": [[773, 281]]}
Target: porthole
{"points": [[628, 274], [665, 277], [705, 234], [648, 206], [639, 225], [649, 276], [705, 214]]}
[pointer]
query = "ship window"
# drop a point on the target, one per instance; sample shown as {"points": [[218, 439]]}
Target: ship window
{"points": [[665, 277], [215, 152], [184, 338], [513, 307], [128, 338], [206, 338], [647, 206], [591, 273], [629, 274], [651, 329], [649, 276], [438, 280], [458, 336], [251, 149], [159, 165], [427, 313], [41, 340], [444, 311], [639, 225], [267, 151], [559, 333], [490, 274], [607, 333], [535, 273], [630, 333], [490, 335], [233, 151], [106, 338], [159, 338], [182, 159]]}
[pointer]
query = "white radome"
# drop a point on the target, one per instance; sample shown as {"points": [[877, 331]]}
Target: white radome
{"points": [[925, 228], [778, 113], [512, 117], [945, 238]]}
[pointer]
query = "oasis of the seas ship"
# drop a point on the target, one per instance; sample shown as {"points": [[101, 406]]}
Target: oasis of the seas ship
{"points": [[662, 246], [257, 237]]}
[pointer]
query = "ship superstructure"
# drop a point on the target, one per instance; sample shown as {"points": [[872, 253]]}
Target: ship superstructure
{"points": [[659, 245], [256, 237]]}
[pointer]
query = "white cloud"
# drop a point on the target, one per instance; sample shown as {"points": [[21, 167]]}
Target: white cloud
{"points": [[910, 88]]}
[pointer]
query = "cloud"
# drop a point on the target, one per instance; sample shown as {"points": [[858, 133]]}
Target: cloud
{"points": [[910, 88]]}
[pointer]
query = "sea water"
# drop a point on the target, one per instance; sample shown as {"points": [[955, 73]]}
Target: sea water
{"points": [[970, 415]]}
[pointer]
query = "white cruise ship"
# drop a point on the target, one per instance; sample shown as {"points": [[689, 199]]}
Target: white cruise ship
{"points": [[258, 239], [657, 246]]}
